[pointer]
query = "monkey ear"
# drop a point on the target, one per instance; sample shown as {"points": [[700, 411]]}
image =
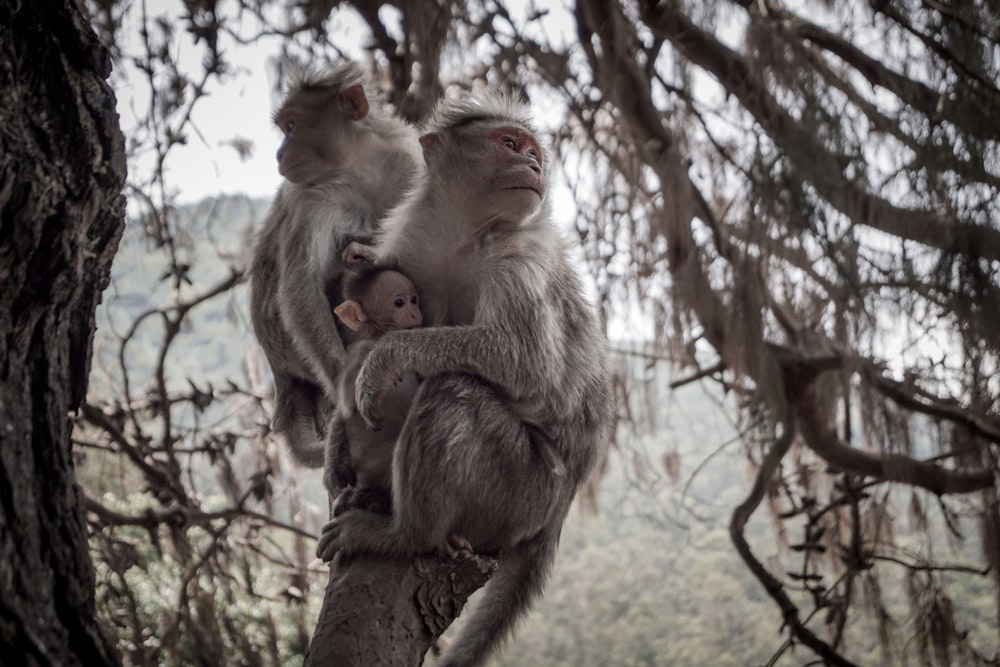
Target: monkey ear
{"points": [[351, 314], [354, 101]]}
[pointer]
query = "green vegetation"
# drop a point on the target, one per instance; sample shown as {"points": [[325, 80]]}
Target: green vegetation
{"points": [[139, 595]]}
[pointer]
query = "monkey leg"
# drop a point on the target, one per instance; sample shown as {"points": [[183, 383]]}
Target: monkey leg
{"points": [[464, 469], [338, 472]]}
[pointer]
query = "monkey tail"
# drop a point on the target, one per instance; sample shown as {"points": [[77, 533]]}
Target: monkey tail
{"points": [[508, 595], [298, 415]]}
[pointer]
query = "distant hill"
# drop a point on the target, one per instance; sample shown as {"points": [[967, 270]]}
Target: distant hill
{"points": [[213, 238]]}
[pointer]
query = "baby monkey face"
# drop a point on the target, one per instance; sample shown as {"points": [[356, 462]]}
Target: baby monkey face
{"points": [[393, 302]]}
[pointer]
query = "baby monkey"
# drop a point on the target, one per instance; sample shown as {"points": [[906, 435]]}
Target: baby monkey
{"points": [[377, 299]]}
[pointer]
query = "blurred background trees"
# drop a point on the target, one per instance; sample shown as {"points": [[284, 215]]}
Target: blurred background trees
{"points": [[789, 213]]}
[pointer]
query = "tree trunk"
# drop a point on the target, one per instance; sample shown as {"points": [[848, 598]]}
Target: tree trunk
{"points": [[62, 168], [384, 611]]}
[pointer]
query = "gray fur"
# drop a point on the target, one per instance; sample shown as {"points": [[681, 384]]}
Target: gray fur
{"points": [[514, 361]]}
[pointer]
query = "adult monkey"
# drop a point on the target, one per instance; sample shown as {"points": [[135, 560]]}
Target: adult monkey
{"points": [[513, 357], [346, 163]]}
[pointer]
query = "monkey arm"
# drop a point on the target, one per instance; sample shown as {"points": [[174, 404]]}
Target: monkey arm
{"points": [[265, 314], [355, 356], [306, 313], [521, 370]]}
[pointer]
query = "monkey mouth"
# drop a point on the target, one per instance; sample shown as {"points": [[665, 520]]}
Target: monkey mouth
{"points": [[537, 191]]}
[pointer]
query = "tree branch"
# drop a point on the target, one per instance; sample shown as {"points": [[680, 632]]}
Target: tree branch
{"points": [[823, 170], [412, 601], [886, 467], [921, 97], [769, 466], [905, 397]]}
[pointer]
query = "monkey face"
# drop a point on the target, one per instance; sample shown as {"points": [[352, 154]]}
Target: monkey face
{"points": [[519, 174], [319, 138], [502, 167], [393, 302]]}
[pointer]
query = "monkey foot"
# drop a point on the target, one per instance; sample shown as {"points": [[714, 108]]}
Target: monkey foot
{"points": [[456, 544], [365, 498], [374, 500]]}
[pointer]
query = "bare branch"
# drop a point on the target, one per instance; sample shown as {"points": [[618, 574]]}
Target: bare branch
{"points": [[824, 171], [790, 613], [888, 467]]}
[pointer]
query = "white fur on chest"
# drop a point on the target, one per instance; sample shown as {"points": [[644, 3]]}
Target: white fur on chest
{"points": [[327, 226]]}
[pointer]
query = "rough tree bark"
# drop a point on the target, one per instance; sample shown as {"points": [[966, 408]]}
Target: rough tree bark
{"points": [[386, 611], [62, 168]]}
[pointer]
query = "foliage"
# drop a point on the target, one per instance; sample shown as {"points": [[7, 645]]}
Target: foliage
{"points": [[796, 204], [167, 611], [203, 566]]}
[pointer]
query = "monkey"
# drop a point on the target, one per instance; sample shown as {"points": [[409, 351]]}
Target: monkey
{"points": [[345, 163], [511, 350], [377, 299]]}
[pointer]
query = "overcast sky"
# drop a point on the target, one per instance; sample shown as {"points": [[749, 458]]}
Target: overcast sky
{"points": [[239, 106]]}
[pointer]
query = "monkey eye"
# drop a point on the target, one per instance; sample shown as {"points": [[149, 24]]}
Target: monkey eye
{"points": [[509, 143], [399, 302], [285, 121], [413, 299], [533, 154]]}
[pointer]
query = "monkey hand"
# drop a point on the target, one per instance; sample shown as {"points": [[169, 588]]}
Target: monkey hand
{"points": [[327, 546], [336, 532], [377, 375], [358, 253], [354, 531]]}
